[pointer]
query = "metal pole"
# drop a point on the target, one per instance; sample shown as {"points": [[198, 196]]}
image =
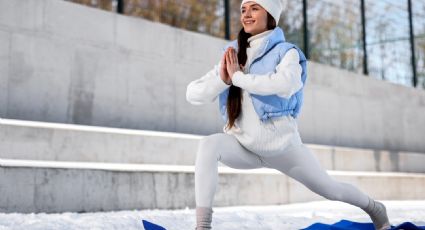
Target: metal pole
{"points": [[412, 44], [306, 39], [362, 10], [120, 6], [227, 19]]}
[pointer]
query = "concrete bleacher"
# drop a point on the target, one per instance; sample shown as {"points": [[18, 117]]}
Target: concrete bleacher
{"points": [[79, 143], [53, 167]]}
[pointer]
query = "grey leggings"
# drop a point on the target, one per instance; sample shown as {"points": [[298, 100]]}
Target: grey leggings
{"points": [[298, 162]]}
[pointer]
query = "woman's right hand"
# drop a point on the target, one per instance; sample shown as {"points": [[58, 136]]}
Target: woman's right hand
{"points": [[224, 75]]}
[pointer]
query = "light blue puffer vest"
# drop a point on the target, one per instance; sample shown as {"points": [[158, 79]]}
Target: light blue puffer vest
{"points": [[273, 49]]}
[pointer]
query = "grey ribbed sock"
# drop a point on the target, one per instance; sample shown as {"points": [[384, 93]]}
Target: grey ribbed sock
{"points": [[203, 218], [378, 214]]}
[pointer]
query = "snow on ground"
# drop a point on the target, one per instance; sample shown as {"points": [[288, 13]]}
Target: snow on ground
{"points": [[287, 217]]}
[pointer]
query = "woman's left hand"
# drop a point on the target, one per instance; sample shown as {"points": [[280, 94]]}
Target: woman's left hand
{"points": [[232, 62]]}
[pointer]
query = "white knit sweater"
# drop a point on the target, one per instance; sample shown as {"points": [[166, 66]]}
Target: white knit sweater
{"points": [[268, 138]]}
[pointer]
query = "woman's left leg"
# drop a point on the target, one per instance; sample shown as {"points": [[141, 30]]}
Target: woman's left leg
{"points": [[302, 165]]}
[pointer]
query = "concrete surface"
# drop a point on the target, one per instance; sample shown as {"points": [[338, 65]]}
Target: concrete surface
{"points": [[28, 140], [34, 186], [68, 63]]}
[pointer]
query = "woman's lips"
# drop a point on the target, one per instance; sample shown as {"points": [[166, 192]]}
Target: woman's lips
{"points": [[249, 22]]}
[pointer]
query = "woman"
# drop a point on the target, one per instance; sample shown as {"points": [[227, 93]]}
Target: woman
{"points": [[259, 82]]}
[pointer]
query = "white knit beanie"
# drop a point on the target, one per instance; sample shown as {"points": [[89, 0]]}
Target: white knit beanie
{"points": [[274, 7]]}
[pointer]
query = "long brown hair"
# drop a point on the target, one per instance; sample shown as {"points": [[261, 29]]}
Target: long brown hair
{"points": [[234, 99]]}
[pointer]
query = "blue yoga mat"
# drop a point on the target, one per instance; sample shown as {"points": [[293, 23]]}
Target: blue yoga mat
{"points": [[341, 225], [151, 226], [350, 225]]}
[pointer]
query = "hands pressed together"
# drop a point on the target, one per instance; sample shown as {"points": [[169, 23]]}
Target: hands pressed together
{"points": [[229, 65]]}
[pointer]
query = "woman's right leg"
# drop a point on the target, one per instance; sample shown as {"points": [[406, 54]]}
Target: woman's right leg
{"points": [[300, 163], [213, 148]]}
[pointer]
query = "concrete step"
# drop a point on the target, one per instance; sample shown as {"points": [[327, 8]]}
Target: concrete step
{"points": [[29, 140], [55, 186]]}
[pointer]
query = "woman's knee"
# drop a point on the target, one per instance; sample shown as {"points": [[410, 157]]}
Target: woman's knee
{"points": [[209, 146]]}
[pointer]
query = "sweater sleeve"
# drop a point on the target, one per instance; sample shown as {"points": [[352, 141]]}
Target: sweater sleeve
{"points": [[284, 81], [207, 88]]}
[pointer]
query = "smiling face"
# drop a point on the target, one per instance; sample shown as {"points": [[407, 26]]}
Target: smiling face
{"points": [[253, 18]]}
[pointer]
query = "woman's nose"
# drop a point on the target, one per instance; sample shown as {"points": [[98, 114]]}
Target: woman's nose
{"points": [[247, 13]]}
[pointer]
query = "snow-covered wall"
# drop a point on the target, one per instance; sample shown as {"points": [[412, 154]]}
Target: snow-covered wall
{"points": [[67, 63]]}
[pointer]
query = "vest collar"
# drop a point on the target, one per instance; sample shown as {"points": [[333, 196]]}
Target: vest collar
{"points": [[257, 39], [271, 39]]}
